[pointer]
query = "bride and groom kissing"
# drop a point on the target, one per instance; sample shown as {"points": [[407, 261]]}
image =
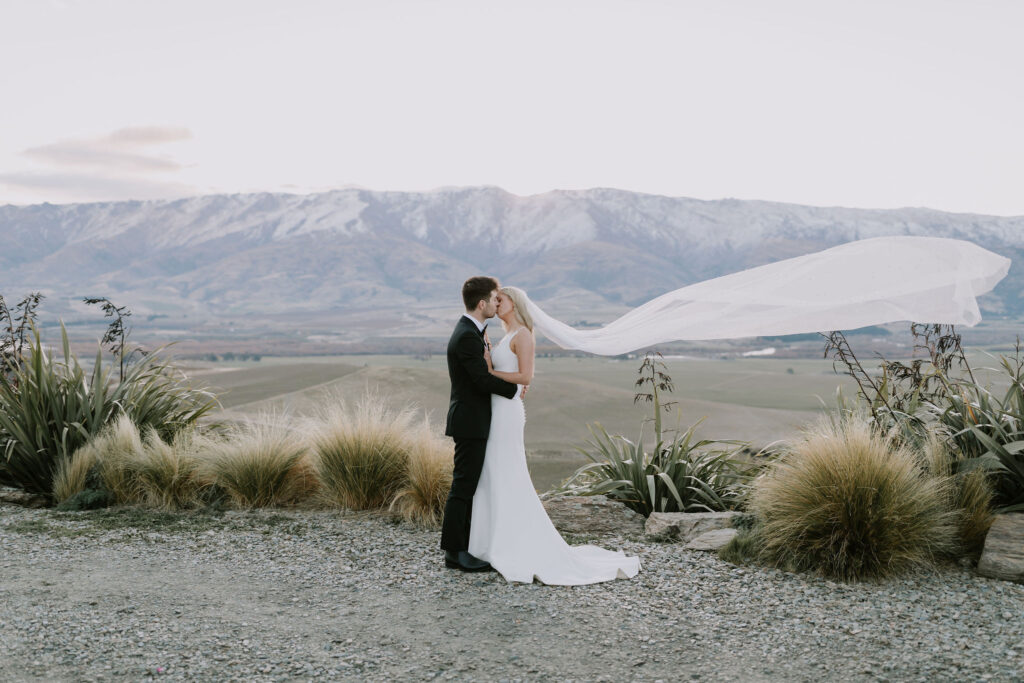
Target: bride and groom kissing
{"points": [[493, 518]]}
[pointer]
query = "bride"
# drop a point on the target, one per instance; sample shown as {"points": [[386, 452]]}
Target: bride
{"points": [[511, 529]]}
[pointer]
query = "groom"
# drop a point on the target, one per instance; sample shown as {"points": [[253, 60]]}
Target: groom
{"points": [[469, 417]]}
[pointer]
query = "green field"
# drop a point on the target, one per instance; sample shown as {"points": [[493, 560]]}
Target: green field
{"points": [[754, 399]]}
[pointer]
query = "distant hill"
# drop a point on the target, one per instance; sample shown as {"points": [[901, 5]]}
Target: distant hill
{"points": [[359, 252]]}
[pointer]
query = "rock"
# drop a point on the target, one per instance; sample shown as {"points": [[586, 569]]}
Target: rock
{"points": [[25, 500], [711, 540], [1003, 555], [593, 515], [686, 526]]}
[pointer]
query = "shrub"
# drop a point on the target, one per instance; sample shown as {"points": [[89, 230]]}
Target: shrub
{"points": [[851, 504], [989, 431], [428, 479], [260, 463], [49, 409], [361, 453], [683, 475]]}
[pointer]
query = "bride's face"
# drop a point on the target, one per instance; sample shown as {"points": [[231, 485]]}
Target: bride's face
{"points": [[505, 306]]}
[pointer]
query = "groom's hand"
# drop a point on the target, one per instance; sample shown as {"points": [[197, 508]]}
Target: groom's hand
{"points": [[522, 392]]}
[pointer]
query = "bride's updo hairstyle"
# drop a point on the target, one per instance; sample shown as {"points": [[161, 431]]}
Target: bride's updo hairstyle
{"points": [[518, 298]]}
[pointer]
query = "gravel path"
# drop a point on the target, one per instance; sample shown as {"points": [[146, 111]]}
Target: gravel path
{"points": [[312, 594]]}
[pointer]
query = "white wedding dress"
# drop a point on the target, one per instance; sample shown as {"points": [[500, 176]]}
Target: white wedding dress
{"points": [[509, 526]]}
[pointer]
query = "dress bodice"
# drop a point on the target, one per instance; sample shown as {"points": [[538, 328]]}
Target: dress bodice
{"points": [[503, 358]]}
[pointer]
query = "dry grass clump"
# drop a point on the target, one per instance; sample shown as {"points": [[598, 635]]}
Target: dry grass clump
{"points": [[969, 493], [365, 456], [361, 452], [974, 495], [261, 462], [428, 479], [72, 473], [108, 459], [850, 504], [168, 473], [132, 468]]}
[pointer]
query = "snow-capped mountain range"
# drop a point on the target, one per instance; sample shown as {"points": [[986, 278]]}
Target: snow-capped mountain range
{"points": [[353, 250]]}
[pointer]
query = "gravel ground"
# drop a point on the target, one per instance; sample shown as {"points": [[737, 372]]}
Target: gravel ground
{"points": [[313, 594]]}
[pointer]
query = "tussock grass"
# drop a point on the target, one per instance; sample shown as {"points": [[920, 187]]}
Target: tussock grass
{"points": [[108, 460], [361, 452], [261, 462], [72, 473], [428, 479], [744, 548], [974, 496], [969, 491], [168, 473], [850, 504]]}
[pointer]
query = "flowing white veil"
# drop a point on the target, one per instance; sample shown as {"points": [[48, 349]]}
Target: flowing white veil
{"points": [[867, 282]]}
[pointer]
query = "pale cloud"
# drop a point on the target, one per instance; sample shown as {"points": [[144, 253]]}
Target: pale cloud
{"points": [[148, 135], [123, 150], [77, 187], [117, 165]]}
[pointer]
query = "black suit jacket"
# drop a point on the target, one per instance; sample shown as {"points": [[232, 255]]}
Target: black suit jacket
{"points": [[469, 410]]}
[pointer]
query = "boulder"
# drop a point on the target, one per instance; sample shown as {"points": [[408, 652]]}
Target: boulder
{"points": [[711, 540], [593, 515], [686, 526], [18, 497], [1003, 555]]}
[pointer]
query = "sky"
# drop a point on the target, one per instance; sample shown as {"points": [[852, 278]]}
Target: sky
{"points": [[862, 104]]}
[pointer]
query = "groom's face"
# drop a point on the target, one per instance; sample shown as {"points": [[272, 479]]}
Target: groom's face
{"points": [[490, 305]]}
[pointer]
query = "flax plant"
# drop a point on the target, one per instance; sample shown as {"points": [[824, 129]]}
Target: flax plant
{"points": [[49, 409]]}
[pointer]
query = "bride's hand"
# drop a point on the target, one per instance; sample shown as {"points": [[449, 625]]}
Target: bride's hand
{"points": [[487, 357]]}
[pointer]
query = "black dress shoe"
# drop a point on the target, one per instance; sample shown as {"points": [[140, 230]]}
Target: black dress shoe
{"points": [[464, 561], [468, 563], [451, 560]]}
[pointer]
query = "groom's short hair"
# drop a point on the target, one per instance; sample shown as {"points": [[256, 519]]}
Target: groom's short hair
{"points": [[477, 289]]}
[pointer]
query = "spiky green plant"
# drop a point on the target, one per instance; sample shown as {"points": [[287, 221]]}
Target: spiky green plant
{"points": [[849, 503], [49, 409], [683, 475], [989, 431]]}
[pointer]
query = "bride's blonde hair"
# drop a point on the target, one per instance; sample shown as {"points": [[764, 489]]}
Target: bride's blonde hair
{"points": [[518, 298]]}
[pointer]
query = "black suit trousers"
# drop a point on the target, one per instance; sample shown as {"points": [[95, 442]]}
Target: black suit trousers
{"points": [[458, 509]]}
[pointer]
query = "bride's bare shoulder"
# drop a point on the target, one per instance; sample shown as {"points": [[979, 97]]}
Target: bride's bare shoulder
{"points": [[522, 339]]}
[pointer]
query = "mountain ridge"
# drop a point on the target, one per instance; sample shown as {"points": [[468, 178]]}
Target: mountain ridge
{"points": [[355, 249]]}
